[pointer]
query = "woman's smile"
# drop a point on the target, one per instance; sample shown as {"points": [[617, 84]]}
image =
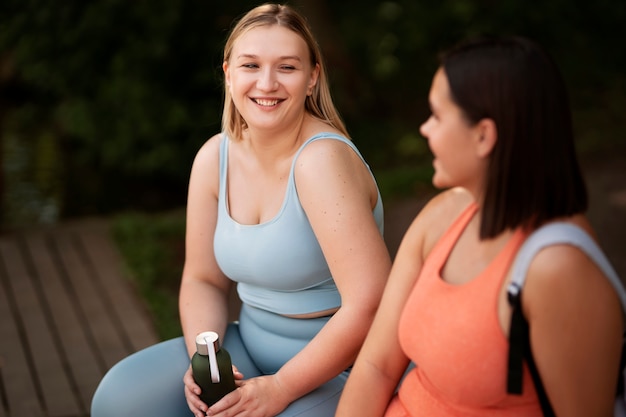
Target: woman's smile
{"points": [[263, 102]]}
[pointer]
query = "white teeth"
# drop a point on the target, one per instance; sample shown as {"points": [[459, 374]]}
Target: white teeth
{"points": [[267, 103]]}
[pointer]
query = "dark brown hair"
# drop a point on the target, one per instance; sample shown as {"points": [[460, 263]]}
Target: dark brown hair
{"points": [[533, 174]]}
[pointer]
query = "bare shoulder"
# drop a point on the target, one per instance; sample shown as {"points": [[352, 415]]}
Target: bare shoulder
{"points": [[439, 214], [325, 150], [575, 318], [205, 168], [433, 221], [209, 151], [446, 206], [325, 163], [565, 272]]}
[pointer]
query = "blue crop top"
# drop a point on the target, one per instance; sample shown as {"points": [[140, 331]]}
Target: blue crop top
{"points": [[278, 265]]}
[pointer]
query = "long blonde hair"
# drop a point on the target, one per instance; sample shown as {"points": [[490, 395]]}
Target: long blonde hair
{"points": [[319, 104]]}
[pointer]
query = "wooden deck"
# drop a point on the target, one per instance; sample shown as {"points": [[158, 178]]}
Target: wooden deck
{"points": [[67, 313]]}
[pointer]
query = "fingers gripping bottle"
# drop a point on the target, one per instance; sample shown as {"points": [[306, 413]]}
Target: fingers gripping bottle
{"points": [[212, 368]]}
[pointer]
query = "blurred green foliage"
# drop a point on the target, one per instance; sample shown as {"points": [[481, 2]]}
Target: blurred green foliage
{"points": [[153, 248], [108, 100]]}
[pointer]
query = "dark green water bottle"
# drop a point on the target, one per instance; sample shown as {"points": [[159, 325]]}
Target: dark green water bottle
{"points": [[212, 368]]}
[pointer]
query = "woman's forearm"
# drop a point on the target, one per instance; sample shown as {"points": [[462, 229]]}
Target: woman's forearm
{"points": [[367, 392], [329, 353], [202, 307]]}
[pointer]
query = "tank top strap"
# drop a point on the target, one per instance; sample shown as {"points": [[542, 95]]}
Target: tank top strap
{"points": [[461, 222], [442, 248], [291, 193], [223, 157], [291, 188], [223, 167], [325, 135]]}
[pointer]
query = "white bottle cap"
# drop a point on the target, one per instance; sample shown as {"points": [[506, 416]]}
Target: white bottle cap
{"points": [[203, 339]]}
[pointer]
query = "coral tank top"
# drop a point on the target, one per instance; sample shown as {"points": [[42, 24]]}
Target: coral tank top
{"points": [[452, 333]]}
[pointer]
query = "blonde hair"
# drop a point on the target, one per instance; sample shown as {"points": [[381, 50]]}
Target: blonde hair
{"points": [[319, 104]]}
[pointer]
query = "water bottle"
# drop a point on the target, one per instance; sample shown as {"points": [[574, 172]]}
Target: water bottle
{"points": [[212, 368]]}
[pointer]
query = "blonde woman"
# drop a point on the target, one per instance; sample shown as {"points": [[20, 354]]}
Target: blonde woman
{"points": [[282, 204]]}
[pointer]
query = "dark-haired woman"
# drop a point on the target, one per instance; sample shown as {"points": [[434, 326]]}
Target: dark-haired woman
{"points": [[501, 135]]}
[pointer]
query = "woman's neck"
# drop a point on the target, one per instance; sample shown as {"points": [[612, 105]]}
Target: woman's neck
{"points": [[276, 143]]}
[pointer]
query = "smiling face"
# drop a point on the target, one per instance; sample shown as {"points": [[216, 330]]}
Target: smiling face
{"points": [[269, 75], [457, 146]]}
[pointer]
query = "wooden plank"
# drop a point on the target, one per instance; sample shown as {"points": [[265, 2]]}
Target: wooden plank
{"points": [[11, 354], [48, 359], [85, 368], [122, 297], [23, 392], [66, 300], [107, 339]]}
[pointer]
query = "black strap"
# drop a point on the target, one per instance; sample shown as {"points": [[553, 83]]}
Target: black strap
{"points": [[517, 334], [546, 407], [619, 392], [520, 350]]}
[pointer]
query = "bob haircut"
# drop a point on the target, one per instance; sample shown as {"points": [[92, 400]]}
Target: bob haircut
{"points": [[533, 174], [319, 104]]}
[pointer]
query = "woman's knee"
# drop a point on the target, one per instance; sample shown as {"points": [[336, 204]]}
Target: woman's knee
{"points": [[148, 382]]}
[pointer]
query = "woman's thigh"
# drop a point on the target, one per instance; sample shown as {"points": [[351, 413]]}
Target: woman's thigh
{"points": [[146, 383], [150, 382], [321, 402]]}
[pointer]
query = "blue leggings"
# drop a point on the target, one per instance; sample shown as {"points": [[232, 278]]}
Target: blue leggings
{"points": [[150, 382]]}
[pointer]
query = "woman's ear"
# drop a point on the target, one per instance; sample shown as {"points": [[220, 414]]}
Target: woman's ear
{"points": [[487, 132], [313, 81], [226, 73]]}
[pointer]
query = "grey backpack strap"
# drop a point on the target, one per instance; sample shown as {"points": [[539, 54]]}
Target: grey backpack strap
{"points": [[519, 343], [562, 233]]}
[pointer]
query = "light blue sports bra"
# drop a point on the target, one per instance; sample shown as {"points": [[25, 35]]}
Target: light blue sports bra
{"points": [[278, 265]]}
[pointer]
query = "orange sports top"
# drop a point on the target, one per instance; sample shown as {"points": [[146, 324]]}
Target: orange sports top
{"points": [[452, 334]]}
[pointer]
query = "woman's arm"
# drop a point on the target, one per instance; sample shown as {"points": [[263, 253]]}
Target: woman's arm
{"points": [[203, 298], [576, 326], [381, 362], [337, 193]]}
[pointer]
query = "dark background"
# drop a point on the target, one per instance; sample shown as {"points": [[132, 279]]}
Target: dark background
{"points": [[104, 103]]}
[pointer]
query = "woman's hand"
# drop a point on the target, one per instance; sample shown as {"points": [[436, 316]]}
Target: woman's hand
{"points": [[238, 375], [255, 397], [192, 392]]}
